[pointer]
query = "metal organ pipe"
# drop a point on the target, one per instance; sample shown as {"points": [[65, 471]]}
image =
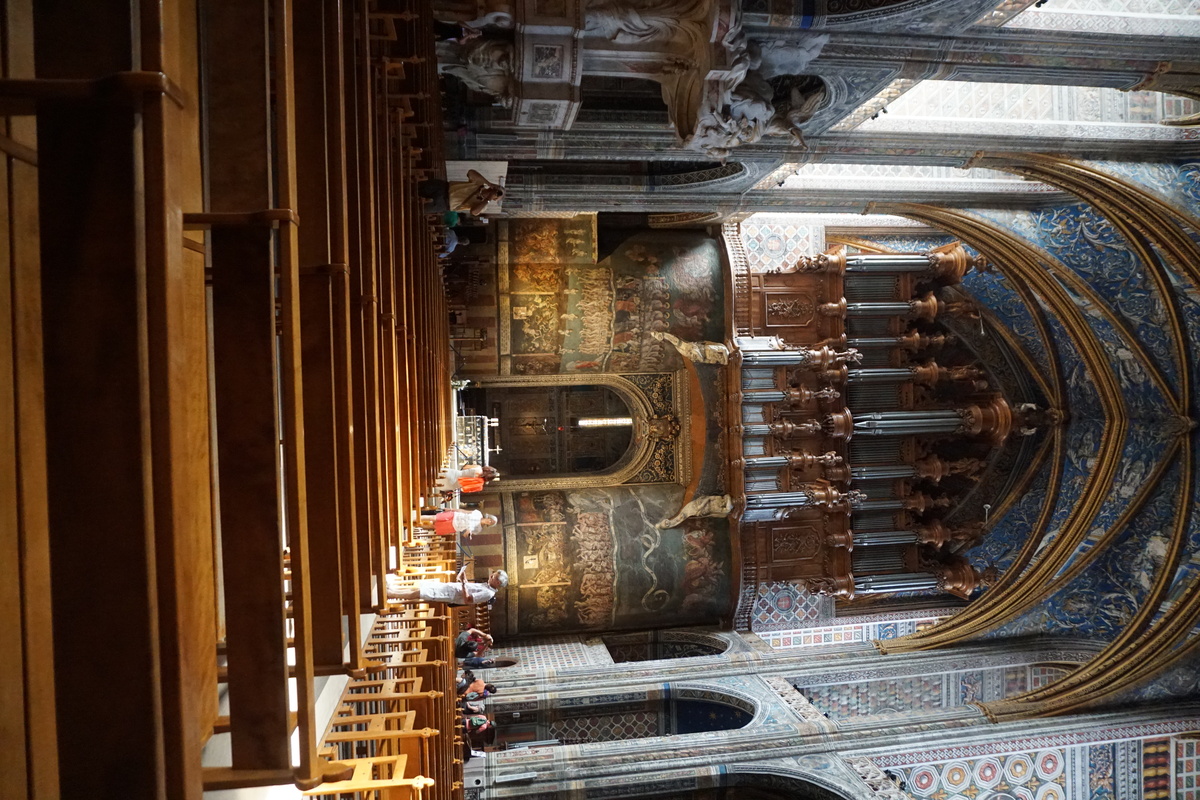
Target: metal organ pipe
{"points": [[902, 582], [901, 423], [888, 263], [879, 538]]}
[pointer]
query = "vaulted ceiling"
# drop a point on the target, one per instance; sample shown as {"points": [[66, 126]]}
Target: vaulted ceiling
{"points": [[1102, 298]]}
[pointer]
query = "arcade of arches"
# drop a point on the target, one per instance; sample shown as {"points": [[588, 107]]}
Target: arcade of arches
{"points": [[837, 360]]}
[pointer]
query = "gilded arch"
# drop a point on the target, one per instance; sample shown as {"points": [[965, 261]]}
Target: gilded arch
{"points": [[654, 456]]}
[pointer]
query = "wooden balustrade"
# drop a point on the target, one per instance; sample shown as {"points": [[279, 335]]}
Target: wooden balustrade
{"points": [[243, 341]]}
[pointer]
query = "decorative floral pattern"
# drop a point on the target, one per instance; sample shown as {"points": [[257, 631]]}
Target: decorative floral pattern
{"points": [[1030, 776], [1105, 597]]}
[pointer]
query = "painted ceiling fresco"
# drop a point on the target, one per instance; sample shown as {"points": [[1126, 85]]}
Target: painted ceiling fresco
{"points": [[1099, 590]]}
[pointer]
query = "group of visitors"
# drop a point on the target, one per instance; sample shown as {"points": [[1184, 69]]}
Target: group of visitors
{"points": [[467, 479], [469, 648], [459, 207], [464, 523]]}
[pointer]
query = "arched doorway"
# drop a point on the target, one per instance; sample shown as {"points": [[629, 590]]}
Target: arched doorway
{"points": [[555, 431], [654, 645], [731, 785], [669, 711]]}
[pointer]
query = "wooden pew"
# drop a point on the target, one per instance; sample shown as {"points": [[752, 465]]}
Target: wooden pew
{"points": [[406, 706], [361, 149], [325, 331], [256, 355], [30, 761], [125, 392], [124, 508], [380, 777]]}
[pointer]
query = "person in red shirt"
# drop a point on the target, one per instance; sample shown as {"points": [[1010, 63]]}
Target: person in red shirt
{"points": [[470, 478], [453, 522]]}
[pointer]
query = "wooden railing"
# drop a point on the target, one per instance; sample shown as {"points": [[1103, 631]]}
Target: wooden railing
{"points": [[227, 354]]}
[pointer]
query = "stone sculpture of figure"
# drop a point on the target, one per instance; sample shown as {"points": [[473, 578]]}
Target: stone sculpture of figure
{"points": [[708, 506], [743, 120], [640, 23], [696, 352], [795, 104], [758, 106], [483, 65]]}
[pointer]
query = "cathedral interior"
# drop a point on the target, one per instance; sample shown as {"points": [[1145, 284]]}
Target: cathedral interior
{"points": [[835, 357]]}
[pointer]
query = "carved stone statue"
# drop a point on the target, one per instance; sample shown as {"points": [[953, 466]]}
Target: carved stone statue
{"points": [[483, 65], [757, 109], [770, 97], [696, 352], [707, 506], [796, 99], [640, 23]]}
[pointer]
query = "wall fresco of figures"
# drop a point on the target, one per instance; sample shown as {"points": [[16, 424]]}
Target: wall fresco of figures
{"points": [[593, 560], [569, 314]]}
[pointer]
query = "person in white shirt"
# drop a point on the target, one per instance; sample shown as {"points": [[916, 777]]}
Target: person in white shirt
{"points": [[470, 478], [455, 521], [460, 592]]}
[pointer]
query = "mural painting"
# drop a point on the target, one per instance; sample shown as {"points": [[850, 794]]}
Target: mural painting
{"points": [[538, 243], [570, 314], [593, 559]]}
